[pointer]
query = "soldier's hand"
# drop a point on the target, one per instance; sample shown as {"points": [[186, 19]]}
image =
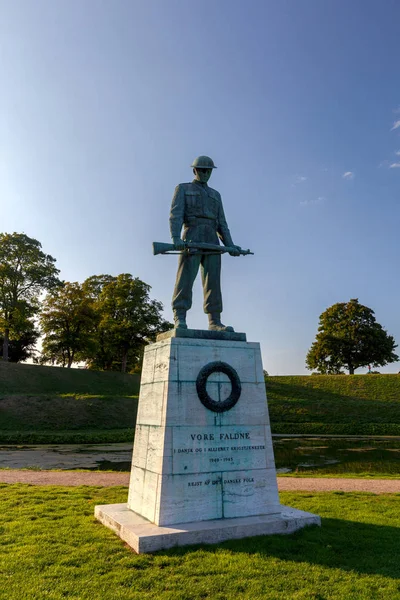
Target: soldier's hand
{"points": [[236, 251], [178, 243]]}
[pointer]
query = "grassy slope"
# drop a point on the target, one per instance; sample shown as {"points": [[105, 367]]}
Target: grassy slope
{"points": [[39, 404], [34, 379], [335, 404], [51, 404], [53, 548]]}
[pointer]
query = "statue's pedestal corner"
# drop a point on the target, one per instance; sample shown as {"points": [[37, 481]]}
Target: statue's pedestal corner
{"points": [[202, 334]]}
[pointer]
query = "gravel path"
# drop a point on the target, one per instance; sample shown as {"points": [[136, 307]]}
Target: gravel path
{"points": [[287, 484]]}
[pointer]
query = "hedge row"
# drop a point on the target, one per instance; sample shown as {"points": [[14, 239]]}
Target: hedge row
{"points": [[67, 437]]}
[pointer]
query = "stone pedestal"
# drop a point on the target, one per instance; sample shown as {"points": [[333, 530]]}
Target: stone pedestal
{"points": [[203, 467]]}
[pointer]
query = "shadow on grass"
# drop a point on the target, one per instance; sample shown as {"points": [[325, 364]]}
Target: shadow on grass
{"points": [[292, 391], [363, 548]]}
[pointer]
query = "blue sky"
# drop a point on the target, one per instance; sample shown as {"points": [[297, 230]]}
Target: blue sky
{"points": [[104, 105]]}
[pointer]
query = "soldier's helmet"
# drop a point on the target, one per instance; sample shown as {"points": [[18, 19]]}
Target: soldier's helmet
{"points": [[203, 162]]}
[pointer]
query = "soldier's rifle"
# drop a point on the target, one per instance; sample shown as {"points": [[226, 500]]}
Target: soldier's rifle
{"points": [[196, 248]]}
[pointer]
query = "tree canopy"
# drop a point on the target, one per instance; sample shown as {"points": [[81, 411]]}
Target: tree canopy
{"points": [[25, 272], [104, 322], [127, 320], [349, 337], [67, 321], [22, 342]]}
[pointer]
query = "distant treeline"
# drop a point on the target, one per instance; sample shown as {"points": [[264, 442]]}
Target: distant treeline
{"points": [[104, 322]]}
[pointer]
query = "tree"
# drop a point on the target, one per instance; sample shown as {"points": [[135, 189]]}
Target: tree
{"points": [[68, 322], [349, 336], [25, 272], [22, 342], [127, 320]]}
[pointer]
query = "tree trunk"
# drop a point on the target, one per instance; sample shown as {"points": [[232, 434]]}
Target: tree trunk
{"points": [[5, 343], [71, 356], [351, 370], [124, 361]]}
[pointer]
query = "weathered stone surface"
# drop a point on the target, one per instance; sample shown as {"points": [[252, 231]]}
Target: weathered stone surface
{"points": [[148, 365], [250, 492], [186, 498], [139, 456], [151, 399], [159, 450], [195, 465], [193, 355], [251, 409], [191, 450], [202, 334], [143, 536]]}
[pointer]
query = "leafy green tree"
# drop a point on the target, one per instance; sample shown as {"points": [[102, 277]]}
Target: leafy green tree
{"points": [[67, 320], [22, 343], [349, 336], [94, 285], [127, 320], [25, 272]]}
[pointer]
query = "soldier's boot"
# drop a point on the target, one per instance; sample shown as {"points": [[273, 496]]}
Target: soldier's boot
{"points": [[214, 323], [180, 319]]}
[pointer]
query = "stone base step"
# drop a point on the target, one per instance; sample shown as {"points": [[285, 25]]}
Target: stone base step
{"points": [[143, 536]]}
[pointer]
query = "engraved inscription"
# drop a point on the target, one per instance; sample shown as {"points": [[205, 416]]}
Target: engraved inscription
{"points": [[227, 481], [229, 448]]}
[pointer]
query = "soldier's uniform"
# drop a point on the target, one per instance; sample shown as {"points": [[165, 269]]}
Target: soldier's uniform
{"points": [[198, 208]]}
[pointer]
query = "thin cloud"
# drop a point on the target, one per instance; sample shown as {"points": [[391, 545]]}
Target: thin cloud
{"points": [[396, 125], [318, 200], [388, 164], [299, 179], [348, 175]]}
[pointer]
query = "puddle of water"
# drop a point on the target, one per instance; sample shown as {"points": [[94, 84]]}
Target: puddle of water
{"points": [[338, 455], [68, 456], [291, 454]]}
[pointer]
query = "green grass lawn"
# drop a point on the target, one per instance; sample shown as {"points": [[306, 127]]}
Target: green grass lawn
{"points": [[335, 404], [52, 548]]}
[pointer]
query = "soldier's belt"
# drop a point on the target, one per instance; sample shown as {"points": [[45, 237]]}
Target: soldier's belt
{"points": [[193, 221]]}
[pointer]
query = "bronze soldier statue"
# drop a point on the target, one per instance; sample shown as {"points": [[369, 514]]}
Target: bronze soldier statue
{"points": [[198, 208]]}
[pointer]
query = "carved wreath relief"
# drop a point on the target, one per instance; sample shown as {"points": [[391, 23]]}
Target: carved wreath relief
{"points": [[201, 386]]}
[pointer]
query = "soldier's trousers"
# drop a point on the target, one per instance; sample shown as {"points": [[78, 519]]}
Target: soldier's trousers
{"points": [[188, 267]]}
